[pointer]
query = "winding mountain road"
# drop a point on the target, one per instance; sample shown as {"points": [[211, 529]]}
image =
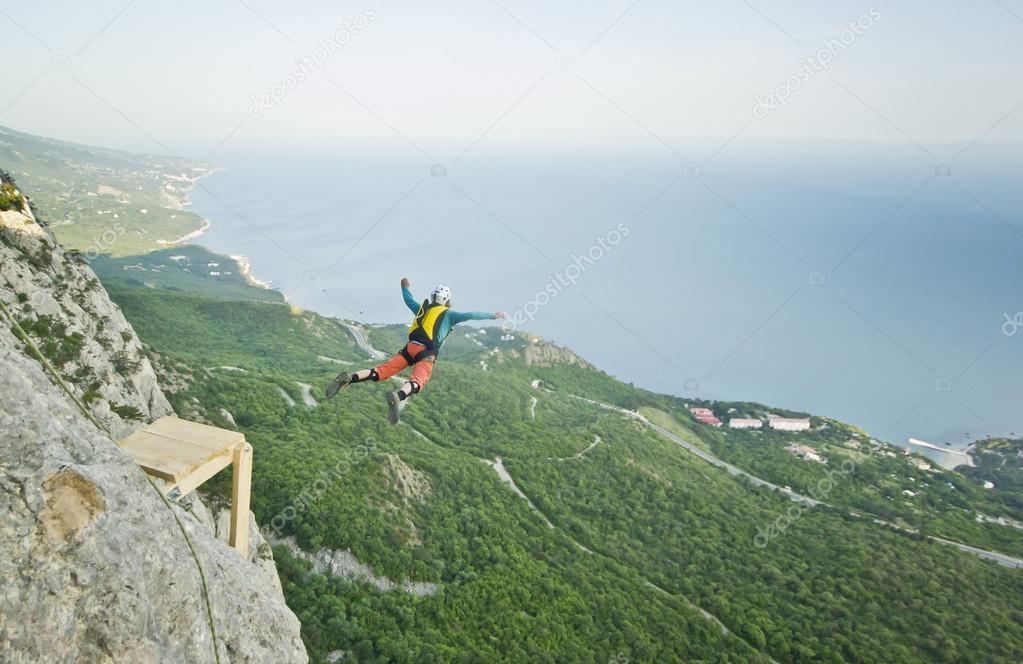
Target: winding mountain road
{"points": [[578, 455], [498, 465], [1000, 558], [307, 395], [704, 454], [360, 340]]}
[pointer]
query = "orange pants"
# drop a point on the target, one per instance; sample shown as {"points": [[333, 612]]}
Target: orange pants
{"points": [[421, 369]]}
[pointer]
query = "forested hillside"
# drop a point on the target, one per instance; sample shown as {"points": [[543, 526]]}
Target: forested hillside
{"points": [[101, 201], [622, 544]]}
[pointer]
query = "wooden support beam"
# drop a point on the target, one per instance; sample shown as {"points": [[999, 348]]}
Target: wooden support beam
{"points": [[240, 494], [183, 455], [204, 471]]}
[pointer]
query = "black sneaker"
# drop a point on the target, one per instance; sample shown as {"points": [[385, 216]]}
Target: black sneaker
{"points": [[394, 407], [342, 381]]}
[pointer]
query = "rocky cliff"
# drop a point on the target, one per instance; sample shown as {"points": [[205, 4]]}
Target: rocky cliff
{"points": [[93, 564], [60, 304], [539, 353]]}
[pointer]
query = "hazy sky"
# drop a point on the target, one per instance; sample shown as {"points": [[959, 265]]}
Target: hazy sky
{"points": [[438, 76]]}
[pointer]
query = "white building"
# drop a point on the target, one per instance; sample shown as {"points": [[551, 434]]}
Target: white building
{"points": [[789, 423], [920, 463], [806, 453], [744, 423]]}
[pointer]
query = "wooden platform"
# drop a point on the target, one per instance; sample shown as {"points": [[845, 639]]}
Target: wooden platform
{"points": [[185, 454]]}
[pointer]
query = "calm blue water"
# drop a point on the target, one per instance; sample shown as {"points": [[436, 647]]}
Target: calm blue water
{"points": [[808, 277]]}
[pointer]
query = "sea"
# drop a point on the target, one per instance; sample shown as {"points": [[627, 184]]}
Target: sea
{"points": [[872, 283]]}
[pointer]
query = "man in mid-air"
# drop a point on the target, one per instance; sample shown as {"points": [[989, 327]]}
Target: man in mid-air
{"points": [[434, 320]]}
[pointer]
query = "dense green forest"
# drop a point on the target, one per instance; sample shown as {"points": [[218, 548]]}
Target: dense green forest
{"points": [[622, 547], [644, 537], [943, 503]]}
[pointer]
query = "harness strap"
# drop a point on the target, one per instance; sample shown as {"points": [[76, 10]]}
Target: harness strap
{"points": [[426, 354]]}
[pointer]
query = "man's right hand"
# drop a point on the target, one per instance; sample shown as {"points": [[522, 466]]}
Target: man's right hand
{"points": [[405, 282]]}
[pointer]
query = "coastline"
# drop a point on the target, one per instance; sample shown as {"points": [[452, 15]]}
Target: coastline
{"points": [[947, 456], [180, 200], [187, 236], [743, 389], [245, 269], [184, 203]]}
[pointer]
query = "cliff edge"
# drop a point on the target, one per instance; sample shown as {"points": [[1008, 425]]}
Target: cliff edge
{"points": [[93, 564]]}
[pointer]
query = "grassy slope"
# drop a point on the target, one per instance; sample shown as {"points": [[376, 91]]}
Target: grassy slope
{"points": [[188, 269], [831, 588], [65, 179]]}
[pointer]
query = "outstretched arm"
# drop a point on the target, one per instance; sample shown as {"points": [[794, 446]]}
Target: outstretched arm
{"points": [[462, 316], [410, 301]]}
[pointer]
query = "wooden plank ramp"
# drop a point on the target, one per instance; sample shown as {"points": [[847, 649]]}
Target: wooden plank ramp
{"points": [[186, 454]]}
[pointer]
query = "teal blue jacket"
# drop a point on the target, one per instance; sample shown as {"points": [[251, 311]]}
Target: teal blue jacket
{"points": [[449, 319]]}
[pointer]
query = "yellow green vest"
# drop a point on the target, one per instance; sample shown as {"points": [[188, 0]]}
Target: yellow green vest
{"points": [[424, 327]]}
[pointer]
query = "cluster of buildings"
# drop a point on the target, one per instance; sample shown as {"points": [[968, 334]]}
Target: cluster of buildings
{"points": [[806, 453], [706, 416]]}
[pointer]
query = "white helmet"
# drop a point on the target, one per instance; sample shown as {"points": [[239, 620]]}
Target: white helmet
{"points": [[441, 294]]}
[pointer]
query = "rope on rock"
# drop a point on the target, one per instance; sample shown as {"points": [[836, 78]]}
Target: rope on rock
{"points": [[20, 333]]}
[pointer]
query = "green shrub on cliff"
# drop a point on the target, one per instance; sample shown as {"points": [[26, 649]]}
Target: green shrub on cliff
{"points": [[10, 198]]}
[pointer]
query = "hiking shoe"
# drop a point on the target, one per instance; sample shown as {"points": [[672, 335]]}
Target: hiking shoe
{"points": [[343, 380], [394, 407]]}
